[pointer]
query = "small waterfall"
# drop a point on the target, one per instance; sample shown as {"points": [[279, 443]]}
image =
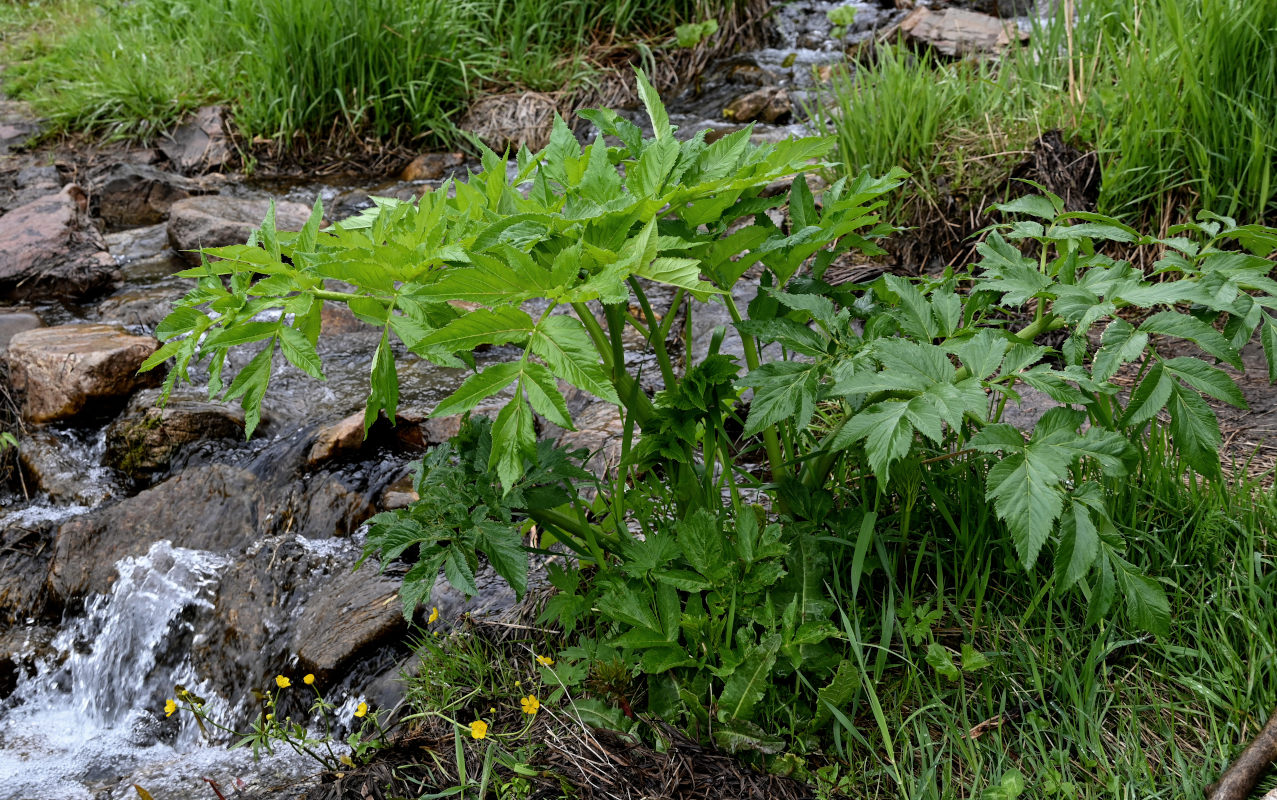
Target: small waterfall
{"points": [[93, 711]]}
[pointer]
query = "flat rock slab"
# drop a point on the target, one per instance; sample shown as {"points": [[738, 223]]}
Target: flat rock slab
{"points": [[50, 248], [355, 611], [67, 370], [201, 143], [959, 32], [217, 221]]}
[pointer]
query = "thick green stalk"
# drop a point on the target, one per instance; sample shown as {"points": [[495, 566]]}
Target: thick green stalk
{"points": [[657, 342], [771, 441]]}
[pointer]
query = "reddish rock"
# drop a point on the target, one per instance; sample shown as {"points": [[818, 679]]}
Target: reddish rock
{"points": [[145, 438], [959, 32], [49, 247], [431, 166], [62, 371], [342, 438], [768, 104]]}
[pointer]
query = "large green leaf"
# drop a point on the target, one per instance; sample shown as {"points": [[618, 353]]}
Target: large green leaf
{"points": [[567, 350], [747, 685], [494, 326]]}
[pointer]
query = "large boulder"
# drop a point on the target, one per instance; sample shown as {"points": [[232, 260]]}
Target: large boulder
{"points": [[960, 32], [146, 437], [217, 221], [68, 370], [200, 144], [131, 195], [217, 507], [49, 247]]}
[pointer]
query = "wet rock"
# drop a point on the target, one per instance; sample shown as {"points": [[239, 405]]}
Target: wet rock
{"points": [[342, 438], [508, 121], [1006, 9], [142, 307], [769, 104], [24, 561], [217, 220], [49, 247], [217, 508], [130, 195], [598, 429], [28, 184], [354, 612], [201, 143], [21, 647], [66, 370], [137, 243], [432, 166], [14, 322], [337, 318], [959, 32], [52, 469], [399, 494], [144, 440]]}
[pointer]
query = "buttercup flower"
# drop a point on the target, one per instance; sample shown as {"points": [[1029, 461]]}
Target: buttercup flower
{"points": [[434, 616], [518, 683], [531, 705], [282, 682], [478, 729], [169, 707], [309, 680], [361, 710], [545, 661]]}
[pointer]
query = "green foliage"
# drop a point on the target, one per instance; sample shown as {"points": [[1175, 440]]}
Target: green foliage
{"points": [[693, 33], [394, 69]]}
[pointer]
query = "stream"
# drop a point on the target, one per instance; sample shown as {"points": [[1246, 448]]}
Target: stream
{"points": [[220, 563]]}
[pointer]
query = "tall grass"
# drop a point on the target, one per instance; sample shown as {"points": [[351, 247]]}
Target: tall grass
{"points": [[390, 69], [1177, 96], [1077, 711]]}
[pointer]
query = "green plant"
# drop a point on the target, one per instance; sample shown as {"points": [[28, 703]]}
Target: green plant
{"points": [[693, 33]]}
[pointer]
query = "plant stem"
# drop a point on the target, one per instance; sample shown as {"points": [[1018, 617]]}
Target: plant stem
{"points": [[657, 342], [770, 440]]}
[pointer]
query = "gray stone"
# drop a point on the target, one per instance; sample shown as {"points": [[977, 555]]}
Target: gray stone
{"points": [[14, 322], [200, 144], [217, 221], [146, 437], [959, 32], [130, 195]]}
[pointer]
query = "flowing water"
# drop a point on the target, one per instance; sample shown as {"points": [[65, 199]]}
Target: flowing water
{"points": [[91, 712]]}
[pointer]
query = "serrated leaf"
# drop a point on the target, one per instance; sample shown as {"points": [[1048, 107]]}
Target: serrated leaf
{"points": [[747, 685], [456, 567], [513, 438], [250, 384], [543, 393], [482, 326], [1145, 602], [1119, 345], [1206, 379], [1079, 545], [973, 660], [1182, 326], [703, 544], [569, 353], [660, 120], [887, 431], [477, 388], [1149, 397], [503, 546], [783, 390], [1034, 204], [300, 352], [941, 660], [1195, 430]]}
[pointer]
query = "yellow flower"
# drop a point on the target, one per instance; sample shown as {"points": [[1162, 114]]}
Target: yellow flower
{"points": [[361, 710], [282, 682], [309, 680], [531, 705], [518, 684], [478, 729], [545, 661], [169, 707], [270, 717], [434, 616]]}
